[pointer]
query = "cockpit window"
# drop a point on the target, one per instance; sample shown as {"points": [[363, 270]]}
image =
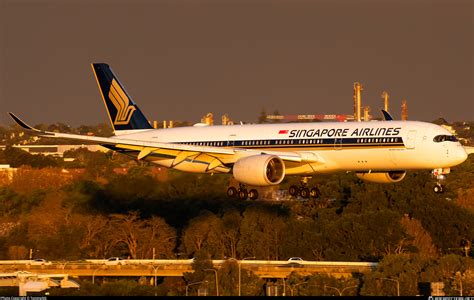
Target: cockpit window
{"points": [[445, 138]]}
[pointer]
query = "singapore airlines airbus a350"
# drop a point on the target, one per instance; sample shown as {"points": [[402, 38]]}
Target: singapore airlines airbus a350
{"points": [[263, 154]]}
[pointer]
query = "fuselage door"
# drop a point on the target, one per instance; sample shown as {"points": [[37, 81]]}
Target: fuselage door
{"points": [[411, 138], [338, 143]]}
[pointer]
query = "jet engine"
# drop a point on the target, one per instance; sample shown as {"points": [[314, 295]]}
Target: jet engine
{"points": [[259, 170], [382, 177]]}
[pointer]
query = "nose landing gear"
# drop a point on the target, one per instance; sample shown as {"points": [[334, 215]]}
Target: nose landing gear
{"points": [[438, 188], [303, 190], [440, 176]]}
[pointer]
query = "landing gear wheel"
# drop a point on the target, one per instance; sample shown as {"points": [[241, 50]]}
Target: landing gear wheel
{"points": [[438, 189], [243, 194], [304, 193], [231, 192], [314, 193], [440, 175], [293, 190], [253, 194]]}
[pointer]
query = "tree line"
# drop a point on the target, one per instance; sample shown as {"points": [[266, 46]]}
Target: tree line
{"points": [[416, 235]]}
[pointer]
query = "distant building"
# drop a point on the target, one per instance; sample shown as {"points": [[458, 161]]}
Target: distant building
{"points": [[320, 117], [6, 173], [56, 150]]}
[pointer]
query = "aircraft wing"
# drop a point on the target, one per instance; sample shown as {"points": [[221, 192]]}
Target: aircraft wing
{"points": [[216, 156]]}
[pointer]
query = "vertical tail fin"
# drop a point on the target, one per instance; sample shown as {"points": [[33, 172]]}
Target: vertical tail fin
{"points": [[124, 114]]}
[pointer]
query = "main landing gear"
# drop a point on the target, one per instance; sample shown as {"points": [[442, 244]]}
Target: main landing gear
{"points": [[440, 176], [242, 193], [303, 190]]}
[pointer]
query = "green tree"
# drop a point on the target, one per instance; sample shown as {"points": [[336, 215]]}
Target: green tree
{"points": [[15, 204], [251, 284], [396, 270], [140, 236], [230, 234], [323, 285], [229, 272], [202, 261], [451, 269], [355, 238], [16, 158], [261, 233], [300, 239], [204, 233]]}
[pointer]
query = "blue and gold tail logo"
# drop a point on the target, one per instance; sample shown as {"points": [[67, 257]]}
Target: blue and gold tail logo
{"points": [[121, 103], [124, 114]]}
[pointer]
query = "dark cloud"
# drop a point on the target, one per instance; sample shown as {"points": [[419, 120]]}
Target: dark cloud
{"points": [[182, 59]]}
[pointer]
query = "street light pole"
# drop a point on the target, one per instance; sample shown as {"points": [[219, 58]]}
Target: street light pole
{"points": [[349, 287], [398, 284], [294, 286], [340, 291], [188, 285], [240, 279], [460, 282], [284, 287], [217, 282], [155, 268], [93, 274]]}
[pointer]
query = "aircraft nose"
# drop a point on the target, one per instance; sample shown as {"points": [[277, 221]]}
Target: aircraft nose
{"points": [[461, 155]]}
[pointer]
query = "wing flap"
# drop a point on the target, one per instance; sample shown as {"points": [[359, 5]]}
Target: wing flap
{"points": [[182, 156], [145, 151], [214, 164]]}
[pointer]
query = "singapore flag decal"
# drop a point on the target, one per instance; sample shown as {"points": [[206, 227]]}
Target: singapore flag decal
{"points": [[283, 132]]}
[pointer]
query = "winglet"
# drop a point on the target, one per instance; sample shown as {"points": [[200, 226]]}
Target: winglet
{"points": [[386, 115], [22, 124]]}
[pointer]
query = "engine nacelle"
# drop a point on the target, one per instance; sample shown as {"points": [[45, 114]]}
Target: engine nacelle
{"points": [[382, 177], [259, 170]]}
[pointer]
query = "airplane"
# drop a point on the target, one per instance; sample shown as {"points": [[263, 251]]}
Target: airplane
{"points": [[264, 154]]}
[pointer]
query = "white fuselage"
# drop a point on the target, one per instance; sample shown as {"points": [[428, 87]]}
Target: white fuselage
{"points": [[348, 146]]}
